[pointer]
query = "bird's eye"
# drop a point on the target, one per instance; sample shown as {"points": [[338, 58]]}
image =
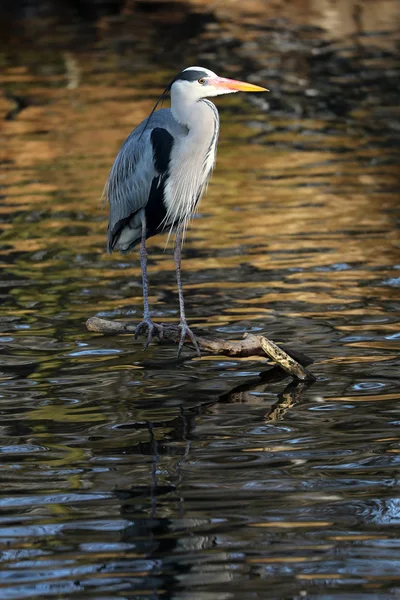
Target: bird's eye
{"points": [[201, 81]]}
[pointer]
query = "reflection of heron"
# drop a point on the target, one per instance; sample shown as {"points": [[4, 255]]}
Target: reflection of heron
{"points": [[161, 172]]}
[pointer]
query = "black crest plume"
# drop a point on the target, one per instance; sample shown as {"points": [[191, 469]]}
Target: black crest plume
{"points": [[160, 99]]}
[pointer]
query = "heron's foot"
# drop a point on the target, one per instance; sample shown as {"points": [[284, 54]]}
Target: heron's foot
{"points": [[187, 332], [152, 328]]}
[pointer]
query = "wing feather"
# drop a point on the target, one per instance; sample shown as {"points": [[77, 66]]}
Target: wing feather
{"points": [[140, 167]]}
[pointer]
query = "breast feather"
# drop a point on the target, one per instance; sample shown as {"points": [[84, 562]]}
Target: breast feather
{"points": [[191, 165]]}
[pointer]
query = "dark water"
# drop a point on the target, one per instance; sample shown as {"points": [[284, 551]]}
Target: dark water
{"points": [[133, 475]]}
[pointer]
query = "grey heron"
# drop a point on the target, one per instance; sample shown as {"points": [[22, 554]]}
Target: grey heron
{"points": [[161, 172]]}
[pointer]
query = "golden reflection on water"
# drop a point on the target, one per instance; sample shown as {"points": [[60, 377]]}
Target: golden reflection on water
{"points": [[260, 209]]}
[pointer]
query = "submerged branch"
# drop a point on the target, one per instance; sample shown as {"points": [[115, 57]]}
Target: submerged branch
{"points": [[289, 360]]}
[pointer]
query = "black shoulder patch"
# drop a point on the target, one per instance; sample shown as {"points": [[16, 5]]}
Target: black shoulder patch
{"points": [[155, 209], [162, 142], [191, 75]]}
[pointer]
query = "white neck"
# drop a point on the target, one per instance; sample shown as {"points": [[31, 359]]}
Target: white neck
{"points": [[193, 155], [195, 114]]}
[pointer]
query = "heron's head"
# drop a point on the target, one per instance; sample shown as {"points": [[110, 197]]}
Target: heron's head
{"points": [[197, 82]]}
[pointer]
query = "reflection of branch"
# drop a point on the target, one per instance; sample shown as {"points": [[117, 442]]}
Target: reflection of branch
{"points": [[244, 392], [250, 345], [290, 396]]}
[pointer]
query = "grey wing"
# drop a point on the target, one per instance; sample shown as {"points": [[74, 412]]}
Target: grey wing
{"points": [[128, 186], [142, 160]]}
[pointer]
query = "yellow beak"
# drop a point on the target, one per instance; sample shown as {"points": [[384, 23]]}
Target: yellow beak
{"points": [[234, 85]]}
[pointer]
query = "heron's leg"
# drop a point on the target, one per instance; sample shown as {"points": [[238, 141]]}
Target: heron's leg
{"points": [[143, 264], [185, 331], [147, 322]]}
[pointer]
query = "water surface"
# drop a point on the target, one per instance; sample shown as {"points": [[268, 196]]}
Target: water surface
{"points": [[127, 474]]}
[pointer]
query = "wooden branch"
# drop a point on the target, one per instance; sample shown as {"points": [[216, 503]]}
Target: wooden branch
{"points": [[251, 345]]}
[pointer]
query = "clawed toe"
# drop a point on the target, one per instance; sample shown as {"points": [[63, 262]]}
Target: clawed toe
{"points": [[152, 328], [187, 332], [157, 329]]}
